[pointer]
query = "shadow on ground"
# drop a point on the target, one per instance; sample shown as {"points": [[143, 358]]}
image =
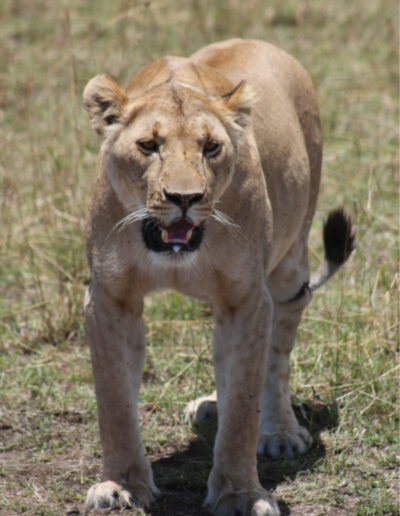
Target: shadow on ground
{"points": [[182, 476]]}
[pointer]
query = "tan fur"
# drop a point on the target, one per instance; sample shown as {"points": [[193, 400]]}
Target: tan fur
{"points": [[258, 199]]}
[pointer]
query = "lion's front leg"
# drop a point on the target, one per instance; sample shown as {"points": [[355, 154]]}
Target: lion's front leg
{"points": [[117, 344], [240, 355]]}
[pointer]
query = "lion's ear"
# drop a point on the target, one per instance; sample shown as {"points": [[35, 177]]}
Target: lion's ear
{"points": [[239, 101], [104, 99]]}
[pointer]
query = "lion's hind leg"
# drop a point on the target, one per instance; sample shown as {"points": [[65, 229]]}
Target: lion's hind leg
{"points": [[280, 433], [201, 409], [291, 289]]}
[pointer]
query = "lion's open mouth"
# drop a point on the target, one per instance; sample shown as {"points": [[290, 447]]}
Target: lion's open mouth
{"points": [[180, 236]]}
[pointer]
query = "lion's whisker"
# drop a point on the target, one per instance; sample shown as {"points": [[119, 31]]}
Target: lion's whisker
{"points": [[134, 216], [227, 222]]}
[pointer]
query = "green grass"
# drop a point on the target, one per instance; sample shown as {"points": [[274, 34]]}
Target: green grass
{"points": [[345, 364]]}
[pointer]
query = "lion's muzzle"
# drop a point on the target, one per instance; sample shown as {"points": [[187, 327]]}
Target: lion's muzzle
{"points": [[181, 236]]}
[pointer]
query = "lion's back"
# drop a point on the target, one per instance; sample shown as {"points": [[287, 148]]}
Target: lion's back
{"points": [[286, 126]]}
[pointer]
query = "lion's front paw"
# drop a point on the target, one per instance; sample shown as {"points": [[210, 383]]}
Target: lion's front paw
{"points": [[109, 494], [112, 495], [245, 503], [200, 409], [285, 444]]}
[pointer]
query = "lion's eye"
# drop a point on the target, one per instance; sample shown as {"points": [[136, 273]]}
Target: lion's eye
{"points": [[148, 147], [211, 149]]}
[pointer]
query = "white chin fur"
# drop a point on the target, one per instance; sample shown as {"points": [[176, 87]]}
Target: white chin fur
{"points": [[172, 260]]}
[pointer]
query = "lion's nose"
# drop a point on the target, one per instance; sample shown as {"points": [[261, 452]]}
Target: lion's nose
{"points": [[184, 201]]}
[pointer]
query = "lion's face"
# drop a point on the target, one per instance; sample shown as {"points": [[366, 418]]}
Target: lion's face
{"points": [[170, 155], [170, 164]]}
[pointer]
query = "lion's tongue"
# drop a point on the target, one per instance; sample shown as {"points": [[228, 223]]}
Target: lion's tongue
{"points": [[180, 232]]}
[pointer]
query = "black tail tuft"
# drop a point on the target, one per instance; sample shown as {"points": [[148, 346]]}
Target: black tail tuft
{"points": [[339, 243], [339, 238]]}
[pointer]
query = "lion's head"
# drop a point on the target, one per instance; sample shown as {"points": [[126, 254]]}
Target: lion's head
{"points": [[169, 149]]}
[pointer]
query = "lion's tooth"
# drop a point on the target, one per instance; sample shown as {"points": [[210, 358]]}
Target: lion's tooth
{"points": [[164, 235], [176, 248], [189, 235]]}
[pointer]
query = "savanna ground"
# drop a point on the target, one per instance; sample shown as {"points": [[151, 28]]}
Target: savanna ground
{"points": [[344, 367]]}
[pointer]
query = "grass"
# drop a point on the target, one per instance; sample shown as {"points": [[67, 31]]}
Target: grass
{"points": [[345, 364]]}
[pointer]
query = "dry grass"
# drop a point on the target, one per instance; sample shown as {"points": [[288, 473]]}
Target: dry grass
{"points": [[345, 367]]}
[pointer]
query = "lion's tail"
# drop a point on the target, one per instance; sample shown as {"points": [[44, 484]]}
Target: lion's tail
{"points": [[339, 243]]}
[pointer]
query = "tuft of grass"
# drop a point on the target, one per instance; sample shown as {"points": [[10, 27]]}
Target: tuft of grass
{"points": [[345, 365]]}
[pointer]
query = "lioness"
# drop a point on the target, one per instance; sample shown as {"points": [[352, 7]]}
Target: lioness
{"points": [[207, 183]]}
